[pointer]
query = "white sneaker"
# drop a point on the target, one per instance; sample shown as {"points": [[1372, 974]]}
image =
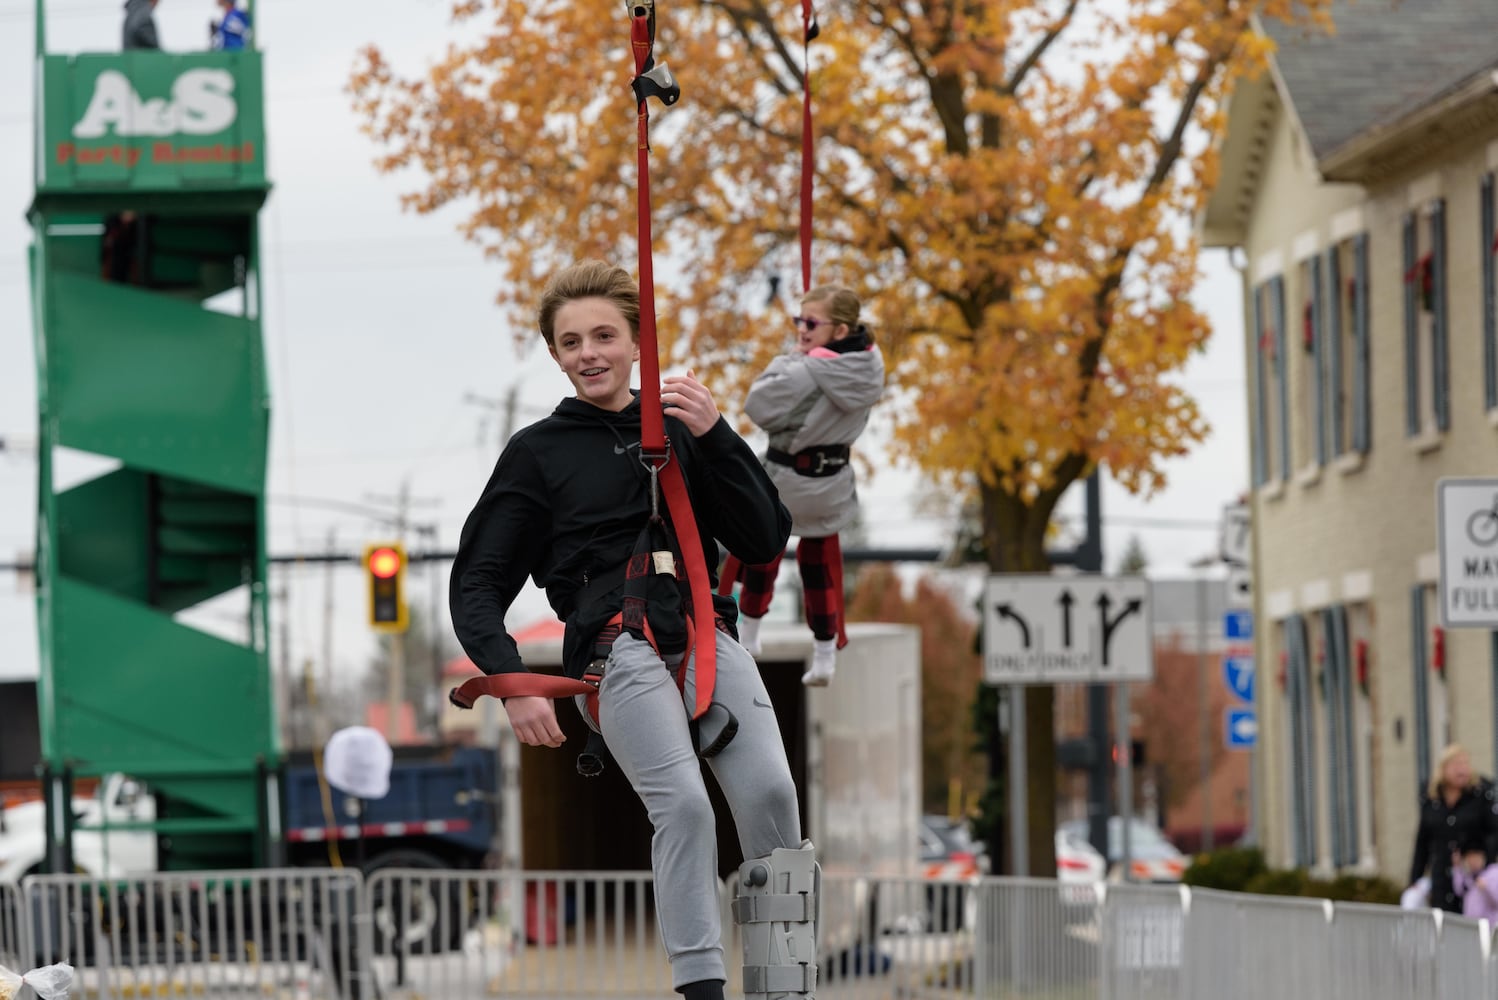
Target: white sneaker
{"points": [[823, 663], [749, 634]]}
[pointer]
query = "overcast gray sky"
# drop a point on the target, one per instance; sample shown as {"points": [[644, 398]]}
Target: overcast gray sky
{"points": [[380, 326]]}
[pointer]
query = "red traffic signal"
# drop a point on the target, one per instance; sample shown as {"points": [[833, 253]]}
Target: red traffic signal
{"points": [[385, 562], [385, 576]]}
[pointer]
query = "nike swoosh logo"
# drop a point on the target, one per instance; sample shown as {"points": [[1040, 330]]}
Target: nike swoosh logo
{"points": [[618, 450], [763, 704]]}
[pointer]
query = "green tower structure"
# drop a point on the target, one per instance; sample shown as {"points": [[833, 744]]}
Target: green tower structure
{"points": [[145, 268]]}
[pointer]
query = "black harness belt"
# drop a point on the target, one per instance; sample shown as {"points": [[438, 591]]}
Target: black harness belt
{"points": [[819, 461]]}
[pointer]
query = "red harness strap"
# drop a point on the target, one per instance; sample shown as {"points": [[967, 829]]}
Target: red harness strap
{"points": [[521, 684], [655, 450], [809, 30]]}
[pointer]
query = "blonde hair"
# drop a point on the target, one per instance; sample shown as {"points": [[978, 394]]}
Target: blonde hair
{"points": [[1437, 777], [588, 279], [842, 305]]}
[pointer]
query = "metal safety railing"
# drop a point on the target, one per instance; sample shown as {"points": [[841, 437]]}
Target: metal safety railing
{"points": [[11, 926], [262, 933], [313, 934]]}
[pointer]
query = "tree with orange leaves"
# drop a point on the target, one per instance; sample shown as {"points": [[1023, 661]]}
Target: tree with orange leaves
{"points": [[1009, 183]]}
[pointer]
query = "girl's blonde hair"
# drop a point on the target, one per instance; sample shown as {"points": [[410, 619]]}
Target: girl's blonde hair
{"points": [[589, 279], [1437, 776], [842, 305]]}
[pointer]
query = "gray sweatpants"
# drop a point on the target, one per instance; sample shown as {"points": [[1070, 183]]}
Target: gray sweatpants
{"points": [[644, 724]]}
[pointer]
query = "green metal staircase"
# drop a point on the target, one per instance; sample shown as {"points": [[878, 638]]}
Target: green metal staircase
{"points": [[145, 372]]}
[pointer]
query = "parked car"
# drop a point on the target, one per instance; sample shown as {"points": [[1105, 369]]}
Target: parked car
{"points": [[1079, 866], [1152, 857], [949, 852]]}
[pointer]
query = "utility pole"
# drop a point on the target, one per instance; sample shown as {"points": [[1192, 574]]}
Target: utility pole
{"points": [[396, 680], [320, 732], [428, 533], [1202, 709], [507, 406], [285, 684]]}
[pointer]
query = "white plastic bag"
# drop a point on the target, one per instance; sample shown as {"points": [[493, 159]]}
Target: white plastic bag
{"points": [[50, 982], [1416, 897]]}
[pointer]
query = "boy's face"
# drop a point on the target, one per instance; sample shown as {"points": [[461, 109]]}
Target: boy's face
{"points": [[597, 351], [1475, 861]]}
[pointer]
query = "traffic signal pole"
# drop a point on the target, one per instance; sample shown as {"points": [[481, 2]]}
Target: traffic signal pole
{"points": [[396, 693]]}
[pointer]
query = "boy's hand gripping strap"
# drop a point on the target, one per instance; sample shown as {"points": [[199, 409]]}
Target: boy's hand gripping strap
{"points": [[656, 81]]}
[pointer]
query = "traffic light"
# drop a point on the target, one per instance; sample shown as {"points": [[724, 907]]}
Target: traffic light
{"points": [[385, 576]]}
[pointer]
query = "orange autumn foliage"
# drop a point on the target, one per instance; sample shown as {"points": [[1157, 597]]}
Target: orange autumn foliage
{"points": [[1009, 184]]}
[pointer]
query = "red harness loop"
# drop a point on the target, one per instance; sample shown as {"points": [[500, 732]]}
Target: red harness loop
{"points": [[520, 684]]}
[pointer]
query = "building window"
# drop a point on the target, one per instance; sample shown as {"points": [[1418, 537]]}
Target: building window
{"points": [[1339, 698], [1310, 368], [1300, 715], [1271, 444], [1427, 403], [1432, 699], [1487, 254], [1360, 650], [1349, 405]]}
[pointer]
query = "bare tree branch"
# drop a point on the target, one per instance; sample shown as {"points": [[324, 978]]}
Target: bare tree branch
{"points": [[1046, 40]]}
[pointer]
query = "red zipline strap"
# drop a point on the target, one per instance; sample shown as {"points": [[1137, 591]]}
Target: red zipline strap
{"points": [[520, 684], [652, 425], [654, 449], [808, 141]]}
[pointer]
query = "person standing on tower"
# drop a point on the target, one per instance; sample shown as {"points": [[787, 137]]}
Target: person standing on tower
{"points": [[140, 25], [231, 31]]}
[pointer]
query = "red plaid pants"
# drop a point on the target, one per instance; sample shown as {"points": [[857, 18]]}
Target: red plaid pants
{"points": [[820, 561]]}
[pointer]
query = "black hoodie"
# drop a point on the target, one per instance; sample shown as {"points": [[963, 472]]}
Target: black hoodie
{"points": [[566, 504]]}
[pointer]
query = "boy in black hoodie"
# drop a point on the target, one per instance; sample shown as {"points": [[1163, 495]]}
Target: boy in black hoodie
{"points": [[566, 505]]}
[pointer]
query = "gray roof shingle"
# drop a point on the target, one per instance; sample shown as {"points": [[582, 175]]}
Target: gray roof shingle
{"points": [[1386, 59]]}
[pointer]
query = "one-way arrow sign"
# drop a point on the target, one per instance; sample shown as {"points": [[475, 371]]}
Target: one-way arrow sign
{"points": [[1050, 630]]}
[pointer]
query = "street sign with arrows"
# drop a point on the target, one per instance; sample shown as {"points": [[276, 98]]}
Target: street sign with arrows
{"points": [[1055, 629]]}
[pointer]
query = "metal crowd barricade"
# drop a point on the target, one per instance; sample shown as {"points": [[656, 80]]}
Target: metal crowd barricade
{"points": [[1462, 960], [1384, 953], [252, 933], [12, 927], [1142, 944], [516, 934], [320, 934]]}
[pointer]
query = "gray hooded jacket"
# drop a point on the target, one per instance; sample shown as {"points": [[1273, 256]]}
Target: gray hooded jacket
{"points": [[808, 400]]}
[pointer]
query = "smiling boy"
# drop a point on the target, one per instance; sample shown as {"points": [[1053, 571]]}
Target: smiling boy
{"points": [[567, 505]]}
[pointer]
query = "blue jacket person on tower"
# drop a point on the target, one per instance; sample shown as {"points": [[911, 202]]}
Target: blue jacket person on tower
{"points": [[231, 31]]}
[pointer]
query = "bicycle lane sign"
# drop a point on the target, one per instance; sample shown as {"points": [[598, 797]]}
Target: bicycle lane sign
{"points": [[1467, 525]]}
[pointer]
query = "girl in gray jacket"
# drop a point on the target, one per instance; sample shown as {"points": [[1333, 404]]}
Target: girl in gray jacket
{"points": [[813, 402]]}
